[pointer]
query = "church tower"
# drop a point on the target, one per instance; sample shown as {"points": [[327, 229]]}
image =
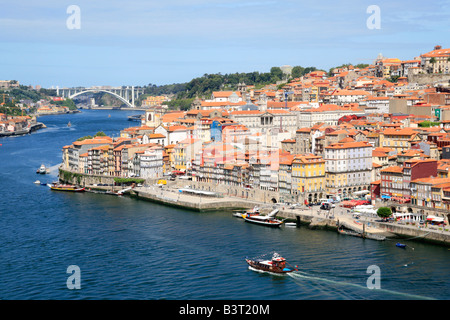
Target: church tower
{"points": [[262, 102], [152, 118]]}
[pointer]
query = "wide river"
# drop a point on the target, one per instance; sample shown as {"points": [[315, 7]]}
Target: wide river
{"points": [[132, 249]]}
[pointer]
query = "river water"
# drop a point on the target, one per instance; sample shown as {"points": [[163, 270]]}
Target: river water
{"points": [[133, 249]]}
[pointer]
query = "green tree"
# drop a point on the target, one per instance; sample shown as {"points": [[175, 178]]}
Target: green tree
{"points": [[297, 72], [384, 212], [84, 138], [276, 74]]}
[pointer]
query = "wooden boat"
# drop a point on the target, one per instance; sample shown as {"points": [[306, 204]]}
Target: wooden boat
{"points": [[277, 265], [66, 187]]}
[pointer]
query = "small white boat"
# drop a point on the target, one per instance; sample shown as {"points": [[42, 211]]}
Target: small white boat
{"points": [[42, 169], [290, 224], [37, 182], [263, 220]]}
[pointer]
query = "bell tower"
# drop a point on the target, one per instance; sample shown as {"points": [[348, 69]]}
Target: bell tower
{"points": [[262, 102], [152, 118]]}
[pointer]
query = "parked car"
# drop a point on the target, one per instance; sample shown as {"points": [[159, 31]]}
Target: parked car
{"points": [[326, 206]]}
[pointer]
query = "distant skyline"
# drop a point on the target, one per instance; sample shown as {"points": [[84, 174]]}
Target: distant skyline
{"points": [[139, 42]]}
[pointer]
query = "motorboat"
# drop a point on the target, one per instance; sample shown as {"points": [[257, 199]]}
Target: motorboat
{"points": [[277, 264], [42, 169], [266, 220], [254, 212], [400, 245], [37, 182], [263, 220], [66, 187]]}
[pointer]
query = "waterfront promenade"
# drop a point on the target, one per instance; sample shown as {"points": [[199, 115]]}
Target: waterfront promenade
{"points": [[311, 216], [198, 199]]}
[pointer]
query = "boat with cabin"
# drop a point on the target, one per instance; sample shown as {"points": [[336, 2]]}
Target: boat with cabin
{"points": [[66, 187], [254, 212], [269, 220], [277, 264], [42, 169]]}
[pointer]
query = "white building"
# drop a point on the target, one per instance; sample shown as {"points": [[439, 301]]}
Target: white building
{"points": [[342, 97], [348, 167], [173, 134], [149, 163], [328, 114], [377, 105], [226, 96]]}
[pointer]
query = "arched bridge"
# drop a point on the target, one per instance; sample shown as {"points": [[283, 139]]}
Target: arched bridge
{"points": [[126, 94]]}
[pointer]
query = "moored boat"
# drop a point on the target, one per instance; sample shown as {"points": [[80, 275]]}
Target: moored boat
{"points": [[400, 245], [263, 220], [254, 212], [267, 220], [42, 169], [277, 264], [66, 187]]}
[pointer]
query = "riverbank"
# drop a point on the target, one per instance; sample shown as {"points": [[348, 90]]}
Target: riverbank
{"points": [[56, 113], [177, 194], [34, 127], [311, 217], [117, 108]]}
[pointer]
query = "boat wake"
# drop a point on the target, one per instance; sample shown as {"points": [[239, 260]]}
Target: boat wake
{"points": [[300, 276]]}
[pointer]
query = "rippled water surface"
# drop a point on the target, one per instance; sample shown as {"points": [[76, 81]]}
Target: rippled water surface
{"points": [[131, 249]]}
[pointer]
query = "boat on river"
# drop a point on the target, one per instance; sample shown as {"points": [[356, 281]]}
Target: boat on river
{"points": [[267, 220], [277, 264], [66, 187], [42, 169], [254, 212], [400, 245]]}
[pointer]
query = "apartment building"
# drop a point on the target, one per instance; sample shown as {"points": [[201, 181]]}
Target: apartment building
{"points": [[308, 177], [348, 167]]}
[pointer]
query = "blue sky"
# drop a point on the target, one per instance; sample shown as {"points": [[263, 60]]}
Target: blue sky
{"points": [[139, 42]]}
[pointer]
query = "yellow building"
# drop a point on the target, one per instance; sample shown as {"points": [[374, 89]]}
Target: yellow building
{"points": [[314, 94], [65, 156], [308, 177], [398, 139], [184, 152], [152, 101]]}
